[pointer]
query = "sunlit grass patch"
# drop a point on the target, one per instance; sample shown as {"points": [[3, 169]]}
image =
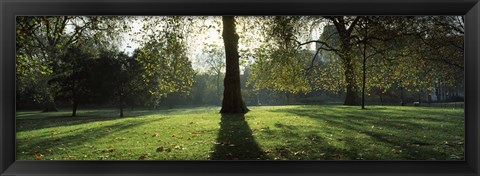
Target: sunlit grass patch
{"points": [[303, 132]]}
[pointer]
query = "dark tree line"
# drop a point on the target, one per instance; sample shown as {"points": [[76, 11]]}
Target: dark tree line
{"points": [[107, 79]]}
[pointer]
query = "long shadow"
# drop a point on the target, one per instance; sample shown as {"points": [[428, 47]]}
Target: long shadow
{"points": [[26, 121], [235, 140], [72, 140], [398, 131]]}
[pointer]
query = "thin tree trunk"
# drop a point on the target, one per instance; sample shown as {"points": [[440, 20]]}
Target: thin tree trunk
{"points": [[121, 105], [401, 97], [381, 98], [363, 85], [364, 67], [232, 96], [74, 108], [74, 100], [121, 99]]}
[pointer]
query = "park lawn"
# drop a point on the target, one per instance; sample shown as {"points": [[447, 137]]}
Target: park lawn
{"points": [[296, 132]]}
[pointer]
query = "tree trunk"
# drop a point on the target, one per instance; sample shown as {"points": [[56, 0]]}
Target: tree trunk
{"points": [[344, 33], [364, 69], [121, 111], [74, 101], [352, 98], [363, 84], [232, 96], [121, 106], [74, 108], [401, 97], [381, 98]]}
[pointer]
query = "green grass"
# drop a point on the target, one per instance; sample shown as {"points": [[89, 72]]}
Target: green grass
{"points": [[267, 133]]}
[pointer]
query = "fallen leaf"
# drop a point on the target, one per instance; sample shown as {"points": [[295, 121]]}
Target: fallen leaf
{"points": [[38, 156], [162, 149]]}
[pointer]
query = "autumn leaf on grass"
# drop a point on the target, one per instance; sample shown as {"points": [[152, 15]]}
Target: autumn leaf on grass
{"points": [[144, 156], [163, 149], [110, 149], [38, 155], [53, 133]]}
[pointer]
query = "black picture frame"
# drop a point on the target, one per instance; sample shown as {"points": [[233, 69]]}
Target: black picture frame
{"points": [[11, 8]]}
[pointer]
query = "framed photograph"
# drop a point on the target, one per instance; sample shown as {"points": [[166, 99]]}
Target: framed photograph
{"points": [[239, 87]]}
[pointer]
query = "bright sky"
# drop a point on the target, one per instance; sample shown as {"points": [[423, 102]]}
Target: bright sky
{"points": [[196, 44]]}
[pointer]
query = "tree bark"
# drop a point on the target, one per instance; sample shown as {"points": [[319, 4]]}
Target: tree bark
{"points": [[232, 96], [74, 100], [74, 108], [121, 106], [364, 69], [364, 80], [352, 98], [381, 98], [344, 32], [401, 97]]}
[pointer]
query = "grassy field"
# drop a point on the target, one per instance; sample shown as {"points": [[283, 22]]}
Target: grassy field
{"points": [[267, 133]]}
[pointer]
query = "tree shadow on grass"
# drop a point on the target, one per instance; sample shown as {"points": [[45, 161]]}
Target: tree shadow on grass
{"points": [[235, 140], [49, 144], [26, 121], [396, 131]]}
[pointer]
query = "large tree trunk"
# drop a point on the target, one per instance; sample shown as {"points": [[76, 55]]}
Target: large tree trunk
{"points": [[352, 97], [232, 96], [346, 45]]}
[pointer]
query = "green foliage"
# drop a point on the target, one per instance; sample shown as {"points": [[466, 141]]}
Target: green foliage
{"points": [[278, 64], [206, 90], [163, 57], [416, 54]]}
